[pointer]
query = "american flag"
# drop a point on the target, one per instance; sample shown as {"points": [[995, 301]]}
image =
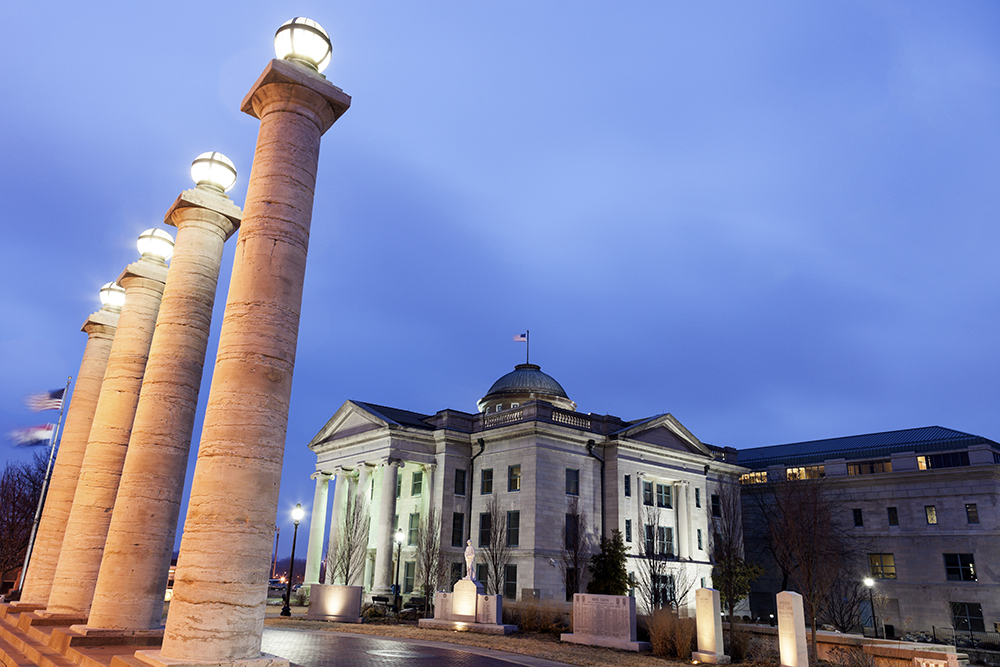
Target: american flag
{"points": [[521, 338], [52, 400], [33, 435]]}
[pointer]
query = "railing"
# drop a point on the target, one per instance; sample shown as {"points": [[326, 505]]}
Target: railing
{"points": [[531, 411], [570, 419], [502, 418], [989, 641]]}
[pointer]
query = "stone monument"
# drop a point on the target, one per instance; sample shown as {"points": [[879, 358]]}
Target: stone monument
{"points": [[605, 620], [792, 630], [710, 647], [467, 608], [335, 603]]}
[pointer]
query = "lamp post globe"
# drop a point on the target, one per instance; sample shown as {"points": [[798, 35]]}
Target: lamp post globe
{"points": [[297, 515], [155, 245], [870, 583], [303, 41], [112, 296], [213, 170]]}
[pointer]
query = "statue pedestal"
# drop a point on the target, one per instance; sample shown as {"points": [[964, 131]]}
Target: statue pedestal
{"points": [[465, 597], [468, 609]]}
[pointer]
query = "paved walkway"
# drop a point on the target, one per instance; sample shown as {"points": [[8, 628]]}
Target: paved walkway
{"points": [[321, 648]]}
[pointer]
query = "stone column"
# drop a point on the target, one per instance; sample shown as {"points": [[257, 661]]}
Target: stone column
{"points": [[683, 519], [317, 529], [140, 543], [340, 490], [362, 491], [87, 528], [386, 513], [217, 610], [427, 493], [100, 329]]}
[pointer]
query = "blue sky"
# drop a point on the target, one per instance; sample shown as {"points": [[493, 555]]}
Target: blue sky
{"points": [[775, 220]]}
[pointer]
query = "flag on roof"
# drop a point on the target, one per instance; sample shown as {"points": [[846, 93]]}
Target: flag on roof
{"points": [[33, 435], [52, 400], [521, 338]]}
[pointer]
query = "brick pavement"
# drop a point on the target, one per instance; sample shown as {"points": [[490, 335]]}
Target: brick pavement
{"points": [[321, 648]]}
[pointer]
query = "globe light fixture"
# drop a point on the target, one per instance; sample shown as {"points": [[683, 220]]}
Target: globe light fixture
{"points": [[303, 41], [112, 295], [156, 244], [213, 170], [298, 513]]}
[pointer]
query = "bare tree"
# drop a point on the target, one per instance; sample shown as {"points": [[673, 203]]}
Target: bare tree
{"points": [[346, 560], [654, 582], [731, 574], [846, 598], [497, 550], [20, 487], [578, 546], [432, 563]]}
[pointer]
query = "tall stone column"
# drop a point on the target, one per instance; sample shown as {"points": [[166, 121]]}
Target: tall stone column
{"points": [[317, 529], [683, 531], [340, 490], [386, 513], [217, 611], [87, 528], [140, 543], [362, 490], [100, 329], [427, 493]]}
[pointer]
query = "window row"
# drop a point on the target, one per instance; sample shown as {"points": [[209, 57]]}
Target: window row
{"points": [[513, 481], [658, 540], [930, 515], [416, 484], [957, 567], [661, 495]]}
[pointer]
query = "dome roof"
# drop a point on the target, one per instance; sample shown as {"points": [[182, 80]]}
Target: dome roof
{"points": [[527, 379]]}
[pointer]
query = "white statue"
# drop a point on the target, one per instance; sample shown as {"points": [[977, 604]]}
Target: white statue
{"points": [[470, 557]]}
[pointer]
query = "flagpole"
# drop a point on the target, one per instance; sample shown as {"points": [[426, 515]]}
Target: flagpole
{"points": [[45, 485], [527, 346]]}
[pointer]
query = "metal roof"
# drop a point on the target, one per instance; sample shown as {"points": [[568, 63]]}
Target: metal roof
{"points": [[867, 446], [527, 379], [397, 416]]}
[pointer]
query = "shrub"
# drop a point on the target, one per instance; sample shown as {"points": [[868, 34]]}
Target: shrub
{"points": [[671, 637], [535, 616], [738, 644]]}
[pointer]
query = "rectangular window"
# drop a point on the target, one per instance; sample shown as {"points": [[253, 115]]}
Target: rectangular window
{"points": [[971, 513], [663, 495], [647, 493], [572, 482], [716, 505], [931, 513], [650, 542], [414, 529], [628, 486], [960, 567], [697, 500], [805, 472], [399, 485], [484, 529], [869, 467], [753, 478], [486, 482], [665, 538], [513, 528], [513, 478], [510, 582], [572, 531], [628, 530], [459, 482], [967, 617], [409, 574], [417, 485], [858, 518], [482, 573], [700, 548], [949, 460], [882, 566], [457, 529], [893, 516]]}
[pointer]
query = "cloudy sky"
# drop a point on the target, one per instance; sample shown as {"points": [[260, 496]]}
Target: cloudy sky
{"points": [[775, 220]]}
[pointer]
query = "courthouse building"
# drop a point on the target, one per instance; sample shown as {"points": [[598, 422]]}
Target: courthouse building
{"points": [[924, 504], [528, 447]]}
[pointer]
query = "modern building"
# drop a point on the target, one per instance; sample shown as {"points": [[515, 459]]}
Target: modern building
{"points": [[924, 505], [543, 461]]}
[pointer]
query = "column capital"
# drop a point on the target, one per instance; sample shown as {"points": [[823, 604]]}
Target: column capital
{"points": [[392, 461], [102, 323], [299, 88], [429, 466], [143, 270], [319, 474], [205, 200]]}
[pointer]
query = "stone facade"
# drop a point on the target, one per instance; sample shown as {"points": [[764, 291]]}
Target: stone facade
{"points": [[531, 449], [925, 506]]}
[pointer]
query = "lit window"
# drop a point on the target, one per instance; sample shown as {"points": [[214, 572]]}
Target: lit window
{"points": [[971, 512], [931, 513], [514, 478], [960, 567], [805, 472], [882, 566], [752, 478]]}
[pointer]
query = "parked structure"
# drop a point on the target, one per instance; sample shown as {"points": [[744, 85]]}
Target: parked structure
{"points": [[924, 504], [530, 448]]}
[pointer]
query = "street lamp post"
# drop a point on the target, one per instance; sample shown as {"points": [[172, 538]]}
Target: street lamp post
{"points": [[870, 583], [399, 550], [297, 515]]}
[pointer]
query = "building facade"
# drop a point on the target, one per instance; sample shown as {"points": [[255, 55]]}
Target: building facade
{"points": [[924, 507], [544, 463]]}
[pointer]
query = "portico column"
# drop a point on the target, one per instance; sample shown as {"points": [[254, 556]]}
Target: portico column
{"points": [[100, 329], [317, 528], [362, 491], [683, 532], [386, 513], [340, 491], [427, 495], [140, 542], [87, 528], [217, 611]]}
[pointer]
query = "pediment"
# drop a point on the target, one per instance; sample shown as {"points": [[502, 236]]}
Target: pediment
{"points": [[666, 432], [351, 419]]}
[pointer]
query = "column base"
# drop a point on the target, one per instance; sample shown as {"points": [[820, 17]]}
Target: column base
{"points": [[88, 631], [157, 659]]}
